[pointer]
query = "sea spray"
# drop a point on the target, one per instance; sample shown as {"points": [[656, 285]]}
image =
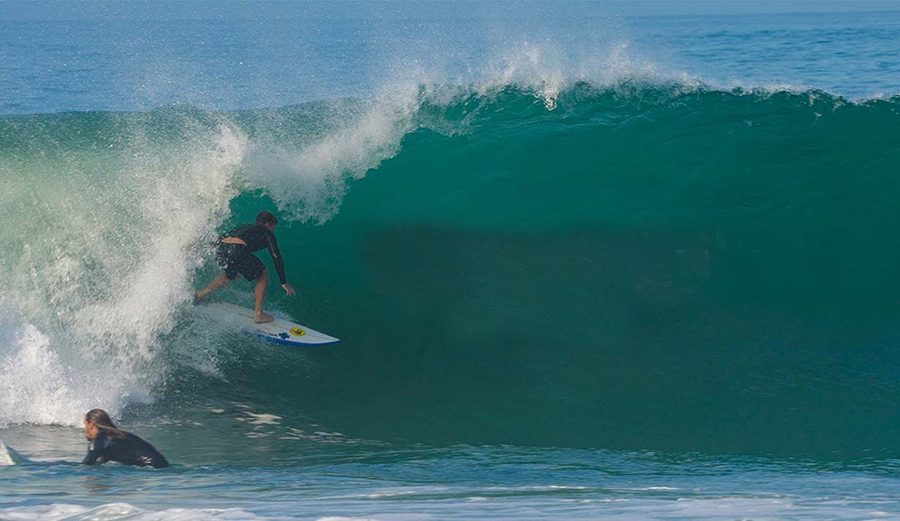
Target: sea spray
{"points": [[121, 210], [135, 214], [305, 168]]}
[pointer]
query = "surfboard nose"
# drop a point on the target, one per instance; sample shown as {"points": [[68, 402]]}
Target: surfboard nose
{"points": [[9, 457]]}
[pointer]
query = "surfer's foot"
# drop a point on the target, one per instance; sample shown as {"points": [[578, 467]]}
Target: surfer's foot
{"points": [[262, 318], [197, 300]]}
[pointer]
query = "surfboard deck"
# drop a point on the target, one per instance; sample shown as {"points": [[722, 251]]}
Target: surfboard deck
{"points": [[281, 331]]}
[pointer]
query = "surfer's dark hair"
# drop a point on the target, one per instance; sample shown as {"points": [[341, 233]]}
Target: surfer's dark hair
{"points": [[102, 421], [266, 217]]}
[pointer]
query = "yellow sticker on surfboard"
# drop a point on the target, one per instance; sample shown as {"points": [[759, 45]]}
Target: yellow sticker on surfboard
{"points": [[296, 331]]}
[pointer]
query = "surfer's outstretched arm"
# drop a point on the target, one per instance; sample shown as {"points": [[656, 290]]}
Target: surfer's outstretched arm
{"points": [[279, 263]]}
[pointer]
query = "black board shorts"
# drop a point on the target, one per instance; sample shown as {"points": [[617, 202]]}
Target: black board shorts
{"points": [[236, 259]]}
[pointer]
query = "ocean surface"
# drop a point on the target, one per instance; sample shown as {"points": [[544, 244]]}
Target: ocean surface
{"points": [[584, 264]]}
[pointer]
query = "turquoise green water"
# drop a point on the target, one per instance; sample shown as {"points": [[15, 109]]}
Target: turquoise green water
{"points": [[632, 298]]}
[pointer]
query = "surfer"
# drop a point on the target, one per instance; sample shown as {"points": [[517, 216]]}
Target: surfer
{"points": [[109, 443], [234, 253]]}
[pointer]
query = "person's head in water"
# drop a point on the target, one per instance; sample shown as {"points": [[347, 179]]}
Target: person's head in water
{"points": [[97, 420], [267, 219]]}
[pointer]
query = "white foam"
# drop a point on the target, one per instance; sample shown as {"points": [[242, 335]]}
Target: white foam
{"points": [[389, 517], [261, 418], [34, 384], [94, 289], [113, 511]]}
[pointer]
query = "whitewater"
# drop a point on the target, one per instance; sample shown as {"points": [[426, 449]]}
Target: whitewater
{"points": [[584, 265]]}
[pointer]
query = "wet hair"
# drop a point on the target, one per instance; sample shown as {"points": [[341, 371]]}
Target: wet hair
{"points": [[266, 217], [101, 420]]}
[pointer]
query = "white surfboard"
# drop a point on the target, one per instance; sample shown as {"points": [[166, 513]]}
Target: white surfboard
{"points": [[281, 331]]}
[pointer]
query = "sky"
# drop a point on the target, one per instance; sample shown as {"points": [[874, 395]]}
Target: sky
{"points": [[60, 10]]}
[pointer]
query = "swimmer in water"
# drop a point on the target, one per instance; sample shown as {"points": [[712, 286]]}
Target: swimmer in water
{"points": [[109, 443], [234, 254]]}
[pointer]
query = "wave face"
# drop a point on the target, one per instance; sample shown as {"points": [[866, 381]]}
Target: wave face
{"points": [[635, 265]]}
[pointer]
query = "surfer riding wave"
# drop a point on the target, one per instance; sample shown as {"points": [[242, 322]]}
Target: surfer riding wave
{"points": [[234, 253]]}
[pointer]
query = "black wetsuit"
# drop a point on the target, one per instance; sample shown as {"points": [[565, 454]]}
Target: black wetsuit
{"points": [[237, 259], [129, 450]]}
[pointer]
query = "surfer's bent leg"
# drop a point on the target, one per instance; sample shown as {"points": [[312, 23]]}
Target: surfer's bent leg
{"points": [[254, 270], [259, 292], [220, 281], [231, 258]]}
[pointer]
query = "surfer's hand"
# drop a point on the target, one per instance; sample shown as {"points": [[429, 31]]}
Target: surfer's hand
{"points": [[288, 289]]}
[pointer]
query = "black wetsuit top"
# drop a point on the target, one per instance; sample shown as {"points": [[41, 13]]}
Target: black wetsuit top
{"points": [[259, 237], [129, 450]]}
